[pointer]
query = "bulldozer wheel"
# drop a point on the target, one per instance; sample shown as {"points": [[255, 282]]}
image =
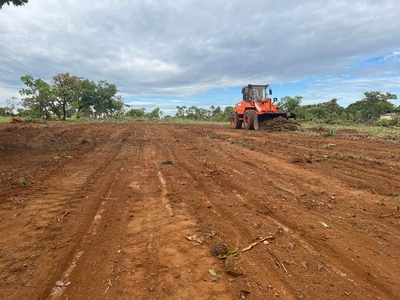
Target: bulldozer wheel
{"points": [[248, 119], [235, 122], [256, 124]]}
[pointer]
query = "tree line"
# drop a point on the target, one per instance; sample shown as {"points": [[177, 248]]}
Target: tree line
{"points": [[215, 114], [368, 109], [70, 96]]}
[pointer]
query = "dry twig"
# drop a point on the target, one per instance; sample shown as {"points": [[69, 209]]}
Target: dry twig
{"points": [[277, 258], [65, 213], [281, 188], [389, 215], [66, 241], [250, 246], [215, 166], [256, 243], [268, 207], [382, 199]]}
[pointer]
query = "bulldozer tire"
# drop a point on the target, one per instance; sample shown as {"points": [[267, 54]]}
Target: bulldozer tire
{"points": [[248, 119], [235, 122], [256, 125]]}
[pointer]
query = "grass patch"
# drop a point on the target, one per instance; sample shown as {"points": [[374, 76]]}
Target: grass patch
{"points": [[361, 131], [5, 119], [194, 122]]}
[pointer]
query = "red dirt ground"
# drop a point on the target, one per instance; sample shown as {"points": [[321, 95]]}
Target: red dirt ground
{"points": [[132, 211]]}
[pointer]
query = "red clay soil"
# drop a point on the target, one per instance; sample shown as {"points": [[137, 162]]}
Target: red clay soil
{"points": [[134, 211]]}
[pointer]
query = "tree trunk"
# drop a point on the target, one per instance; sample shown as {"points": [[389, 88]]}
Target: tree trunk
{"points": [[64, 111]]}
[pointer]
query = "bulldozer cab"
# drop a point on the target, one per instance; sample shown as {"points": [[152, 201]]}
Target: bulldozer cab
{"points": [[255, 92]]}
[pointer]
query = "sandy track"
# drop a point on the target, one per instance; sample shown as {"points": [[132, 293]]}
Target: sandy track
{"points": [[107, 210]]}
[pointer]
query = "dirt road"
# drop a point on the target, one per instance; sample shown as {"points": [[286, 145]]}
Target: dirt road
{"points": [[133, 211]]}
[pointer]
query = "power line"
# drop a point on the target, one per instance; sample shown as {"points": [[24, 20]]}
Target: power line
{"points": [[21, 66], [28, 60], [27, 56], [5, 70], [14, 66]]}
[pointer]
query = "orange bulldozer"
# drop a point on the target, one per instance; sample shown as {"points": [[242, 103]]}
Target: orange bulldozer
{"points": [[256, 107]]}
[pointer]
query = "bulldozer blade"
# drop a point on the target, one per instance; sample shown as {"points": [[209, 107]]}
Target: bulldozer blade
{"points": [[270, 116]]}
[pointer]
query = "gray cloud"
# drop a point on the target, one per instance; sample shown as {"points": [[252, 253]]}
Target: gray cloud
{"points": [[183, 48]]}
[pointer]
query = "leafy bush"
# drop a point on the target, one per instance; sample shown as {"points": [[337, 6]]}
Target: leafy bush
{"points": [[384, 122], [395, 121], [389, 122]]}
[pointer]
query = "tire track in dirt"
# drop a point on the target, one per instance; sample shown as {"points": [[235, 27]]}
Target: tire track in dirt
{"points": [[53, 216], [122, 242], [209, 215], [104, 222], [137, 255], [238, 224], [340, 260], [209, 207], [158, 264]]}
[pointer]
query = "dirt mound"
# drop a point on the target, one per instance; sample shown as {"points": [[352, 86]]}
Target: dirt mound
{"points": [[16, 119], [279, 124]]}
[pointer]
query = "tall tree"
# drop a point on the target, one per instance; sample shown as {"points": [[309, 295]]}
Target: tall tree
{"points": [[372, 105], [10, 105], [87, 98], [181, 111], [105, 94], [201, 113], [156, 113], [136, 112], [66, 90], [191, 112], [289, 104], [38, 95], [117, 108]]}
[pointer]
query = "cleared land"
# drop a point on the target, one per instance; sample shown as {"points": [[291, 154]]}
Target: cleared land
{"points": [[133, 211]]}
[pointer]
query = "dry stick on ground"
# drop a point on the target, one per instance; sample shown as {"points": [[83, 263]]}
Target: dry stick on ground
{"points": [[250, 246], [389, 215], [382, 199], [27, 223], [277, 258], [65, 213], [62, 243], [256, 243], [215, 166], [281, 188], [267, 207]]}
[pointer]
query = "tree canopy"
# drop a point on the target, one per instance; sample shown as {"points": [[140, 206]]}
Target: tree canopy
{"points": [[289, 104], [372, 105], [70, 96], [15, 2]]}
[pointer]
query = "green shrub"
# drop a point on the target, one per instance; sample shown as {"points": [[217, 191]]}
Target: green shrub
{"points": [[395, 121], [384, 122]]}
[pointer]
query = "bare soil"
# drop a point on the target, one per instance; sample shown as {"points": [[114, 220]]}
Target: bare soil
{"points": [[134, 211]]}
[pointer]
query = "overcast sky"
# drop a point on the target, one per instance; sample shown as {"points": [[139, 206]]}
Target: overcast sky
{"points": [[197, 52]]}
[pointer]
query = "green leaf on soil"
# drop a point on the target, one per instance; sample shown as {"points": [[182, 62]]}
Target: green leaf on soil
{"points": [[229, 254], [23, 180], [213, 273]]}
